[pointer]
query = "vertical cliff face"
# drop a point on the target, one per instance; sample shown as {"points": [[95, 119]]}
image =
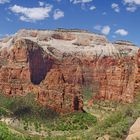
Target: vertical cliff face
{"points": [[137, 80], [117, 79], [57, 65], [39, 64]]}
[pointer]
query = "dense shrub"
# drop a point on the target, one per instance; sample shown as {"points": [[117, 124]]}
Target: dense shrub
{"points": [[26, 106], [75, 121]]}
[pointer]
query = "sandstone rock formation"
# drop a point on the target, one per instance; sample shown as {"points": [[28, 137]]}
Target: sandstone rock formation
{"points": [[134, 132], [57, 65]]}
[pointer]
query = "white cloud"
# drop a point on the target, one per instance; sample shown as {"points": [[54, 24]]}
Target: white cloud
{"points": [[115, 6], [41, 3], [4, 1], [103, 29], [92, 8], [136, 2], [32, 14], [8, 19], [121, 32], [80, 1], [132, 5], [58, 14], [131, 8]]}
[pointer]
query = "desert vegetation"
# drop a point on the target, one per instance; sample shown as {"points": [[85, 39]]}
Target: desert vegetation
{"points": [[30, 121], [26, 115]]}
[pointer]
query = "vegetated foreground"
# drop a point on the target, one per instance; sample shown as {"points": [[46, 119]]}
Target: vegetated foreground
{"points": [[67, 84], [23, 118]]}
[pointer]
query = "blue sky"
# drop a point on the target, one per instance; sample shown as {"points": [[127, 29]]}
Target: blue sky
{"points": [[117, 19]]}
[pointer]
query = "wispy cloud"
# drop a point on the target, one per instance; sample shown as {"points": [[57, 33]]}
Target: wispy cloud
{"points": [[4, 1], [8, 19], [103, 29], [80, 1], [104, 13], [41, 3], [98, 27]]}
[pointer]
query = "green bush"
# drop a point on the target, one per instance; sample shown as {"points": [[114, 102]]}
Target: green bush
{"points": [[3, 112]]}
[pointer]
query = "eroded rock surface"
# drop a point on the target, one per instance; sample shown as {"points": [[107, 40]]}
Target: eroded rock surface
{"points": [[134, 132], [57, 65]]}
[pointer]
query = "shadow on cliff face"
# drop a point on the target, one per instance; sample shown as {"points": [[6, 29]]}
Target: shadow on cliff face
{"points": [[39, 65], [76, 103]]}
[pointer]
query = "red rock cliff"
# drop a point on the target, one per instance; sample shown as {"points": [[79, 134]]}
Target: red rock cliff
{"points": [[57, 65]]}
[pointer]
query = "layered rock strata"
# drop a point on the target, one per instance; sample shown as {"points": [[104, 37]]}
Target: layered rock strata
{"points": [[58, 65]]}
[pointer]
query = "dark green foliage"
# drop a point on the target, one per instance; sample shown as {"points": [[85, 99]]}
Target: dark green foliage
{"points": [[75, 121], [26, 106], [3, 112]]}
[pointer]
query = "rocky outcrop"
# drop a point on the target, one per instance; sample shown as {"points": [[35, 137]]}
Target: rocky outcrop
{"points": [[134, 132], [57, 65]]}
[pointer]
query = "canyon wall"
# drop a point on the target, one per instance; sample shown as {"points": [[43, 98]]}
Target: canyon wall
{"points": [[57, 65]]}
